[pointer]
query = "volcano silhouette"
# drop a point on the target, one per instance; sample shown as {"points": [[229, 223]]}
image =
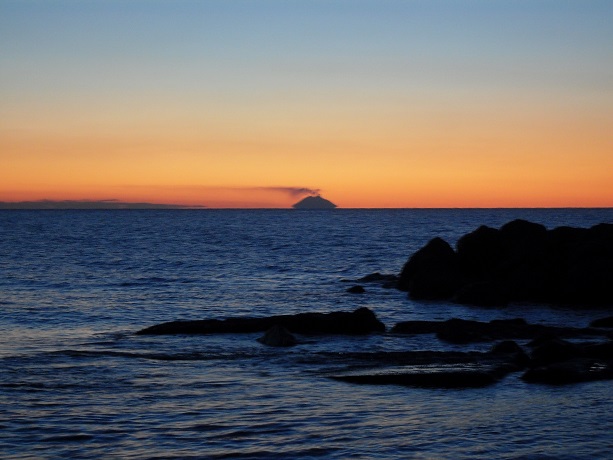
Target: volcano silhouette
{"points": [[314, 202]]}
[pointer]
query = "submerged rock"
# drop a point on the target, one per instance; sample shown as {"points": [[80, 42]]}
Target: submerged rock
{"points": [[378, 278], [358, 322], [428, 379], [552, 350], [356, 289], [430, 369], [552, 361], [603, 322], [278, 336], [570, 371], [461, 331], [513, 351], [556, 361]]}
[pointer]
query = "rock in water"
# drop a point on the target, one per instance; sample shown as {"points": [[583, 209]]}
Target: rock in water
{"points": [[358, 322], [603, 322], [278, 336], [431, 273], [314, 202], [521, 262], [356, 289]]}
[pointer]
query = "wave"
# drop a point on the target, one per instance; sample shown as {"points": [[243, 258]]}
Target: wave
{"points": [[154, 280], [156, 356]]}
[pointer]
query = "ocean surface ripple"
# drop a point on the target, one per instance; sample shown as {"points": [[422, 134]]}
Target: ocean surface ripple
{"points": [[76, 381]]}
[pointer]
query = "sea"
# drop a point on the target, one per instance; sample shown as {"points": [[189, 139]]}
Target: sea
{"points": [[77, 382]]}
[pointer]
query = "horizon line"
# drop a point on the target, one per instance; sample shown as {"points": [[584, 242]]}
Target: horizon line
{"points": [[112, 204]]}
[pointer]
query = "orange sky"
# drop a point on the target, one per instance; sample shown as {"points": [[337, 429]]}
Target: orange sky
{"points": [[447, 132]]}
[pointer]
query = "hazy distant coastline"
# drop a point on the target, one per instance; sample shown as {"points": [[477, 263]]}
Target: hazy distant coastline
{"points": [[86, 204]]}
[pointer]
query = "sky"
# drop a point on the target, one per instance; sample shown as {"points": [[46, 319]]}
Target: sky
{"points": [[372, 103]]}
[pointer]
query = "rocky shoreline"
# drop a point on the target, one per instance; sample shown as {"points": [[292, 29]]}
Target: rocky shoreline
{"points": [[520, 262], [556, 355]]}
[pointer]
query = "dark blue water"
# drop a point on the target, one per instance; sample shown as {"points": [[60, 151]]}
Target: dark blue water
{"points": [[76, 382]]}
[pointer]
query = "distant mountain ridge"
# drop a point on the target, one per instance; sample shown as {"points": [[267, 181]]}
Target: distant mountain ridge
{"points": [[314, 202], [88, 204]]}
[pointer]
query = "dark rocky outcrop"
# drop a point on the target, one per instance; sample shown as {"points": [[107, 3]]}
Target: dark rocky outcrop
{"points": [[521, 261], [278, 336], [432, 272], [480, 252], [482, 294], [361, 321]]}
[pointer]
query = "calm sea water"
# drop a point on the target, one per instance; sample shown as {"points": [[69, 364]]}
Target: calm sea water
{"points": [[75, 381]]}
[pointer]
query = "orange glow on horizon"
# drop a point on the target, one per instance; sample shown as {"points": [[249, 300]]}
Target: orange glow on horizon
{"points": [[518, 158]]}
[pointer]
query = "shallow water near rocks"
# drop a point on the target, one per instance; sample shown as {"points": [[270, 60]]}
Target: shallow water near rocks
{"points": [[77, 382]]}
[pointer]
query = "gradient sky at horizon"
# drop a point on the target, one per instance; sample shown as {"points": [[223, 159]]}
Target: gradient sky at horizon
{"points": [[374, 103]]}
